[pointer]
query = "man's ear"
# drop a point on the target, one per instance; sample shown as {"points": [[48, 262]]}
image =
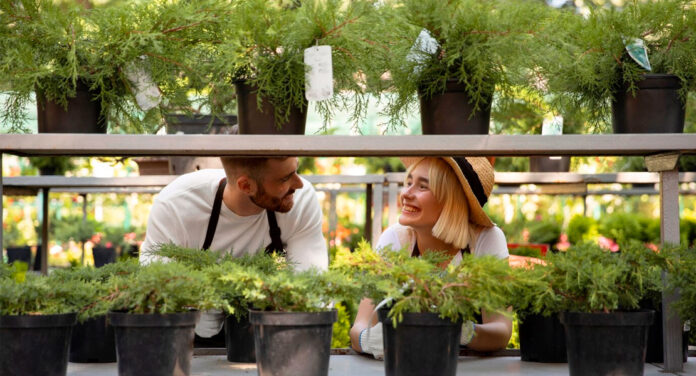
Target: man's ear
{"points": [[246, 185]]}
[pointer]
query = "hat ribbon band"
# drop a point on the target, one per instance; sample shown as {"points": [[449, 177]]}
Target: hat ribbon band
{"points": [[473, 179]]}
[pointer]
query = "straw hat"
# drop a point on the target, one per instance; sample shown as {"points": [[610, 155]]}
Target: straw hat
{"points": [[476, 177]]}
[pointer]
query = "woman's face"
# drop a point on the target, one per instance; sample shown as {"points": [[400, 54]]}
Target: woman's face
{"points": [[420, 208]]}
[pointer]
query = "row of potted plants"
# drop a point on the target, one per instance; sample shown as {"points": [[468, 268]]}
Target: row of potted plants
{"points": [[137, 61], [144, 304]]}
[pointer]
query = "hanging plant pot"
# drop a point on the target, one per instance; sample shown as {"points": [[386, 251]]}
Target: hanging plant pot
{"points": [[451, 112], [83, 113], [22, 254], [154, 344], [542, 339], [35, 344], [255, 121], [239, 340], [421, 344], [293, 343], [93, 342], [606, 343], [547, 164], [655, 108], [103, 255]]}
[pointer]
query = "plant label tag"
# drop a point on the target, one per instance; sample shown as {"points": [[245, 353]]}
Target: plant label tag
{"points": [[423, 48], [147, 94], [638, 52], [319, 74], [552, 126]]}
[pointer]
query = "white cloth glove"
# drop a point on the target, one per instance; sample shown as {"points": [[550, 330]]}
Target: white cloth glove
{"points": [[371, 341], [468, 333], [210, 323]]}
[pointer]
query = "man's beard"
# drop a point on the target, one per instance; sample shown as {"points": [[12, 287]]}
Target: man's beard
{"points": [[266, 201]]}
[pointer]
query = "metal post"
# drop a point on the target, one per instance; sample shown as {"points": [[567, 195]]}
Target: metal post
{"points": [[44, 231], [666, 165], [1, 209], [393, 204], [333, 217], [378, 206], [84, 222], [367, 231], [669, 233]]}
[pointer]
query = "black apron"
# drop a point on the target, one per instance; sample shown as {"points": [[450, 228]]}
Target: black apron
{"points": [[276, 245]]}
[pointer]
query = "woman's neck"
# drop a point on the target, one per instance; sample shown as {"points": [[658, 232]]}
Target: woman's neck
{"points": [[428, 243]]}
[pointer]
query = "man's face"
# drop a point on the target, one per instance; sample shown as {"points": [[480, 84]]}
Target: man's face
{"points": [[277, 185]]}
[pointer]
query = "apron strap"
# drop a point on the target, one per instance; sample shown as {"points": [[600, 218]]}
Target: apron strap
{"points": [[276, 244], [274, 231], [214, 215]]}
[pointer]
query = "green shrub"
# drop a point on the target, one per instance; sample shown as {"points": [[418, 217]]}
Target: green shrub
{"points": [[622, 227], [544, 232], [31, 294], [581, 228]]}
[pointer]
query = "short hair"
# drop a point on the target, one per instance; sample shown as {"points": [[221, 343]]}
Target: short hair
{"points": [[453, 226], [255, 167]]}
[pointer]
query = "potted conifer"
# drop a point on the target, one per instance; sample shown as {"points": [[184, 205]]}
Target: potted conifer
{"points": [[597, 294], [453, 56], [36, 317], [598, 64]]}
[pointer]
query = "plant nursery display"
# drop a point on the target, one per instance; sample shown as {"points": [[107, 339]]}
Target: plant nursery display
{"points": [[36, 312], [426, 304], [635, 62], [597, 293]]}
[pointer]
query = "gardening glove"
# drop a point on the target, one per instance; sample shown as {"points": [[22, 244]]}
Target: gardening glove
{"points": [[210, 323], [371, 341], [468, 333]]}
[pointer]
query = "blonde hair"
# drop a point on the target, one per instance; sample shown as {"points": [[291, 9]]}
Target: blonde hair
{"points": [[453, 226]]}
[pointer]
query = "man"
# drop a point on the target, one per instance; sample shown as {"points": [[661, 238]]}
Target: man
{"points": [[262, 203]]}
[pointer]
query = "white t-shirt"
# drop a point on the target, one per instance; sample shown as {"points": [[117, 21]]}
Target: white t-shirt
{"points": [[491, 241], [181, 211]]}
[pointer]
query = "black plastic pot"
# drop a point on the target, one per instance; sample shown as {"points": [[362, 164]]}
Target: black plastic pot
{"points": [[451, 112], [22, 254], [606, 343], [35, 345], [546, 164], [200, 124], [421, 344], [253, 121], [542, 339], [655, 108], [293, 343], [93, 342], [239, 340], [154, 345], [103, 255], [83, 114]]}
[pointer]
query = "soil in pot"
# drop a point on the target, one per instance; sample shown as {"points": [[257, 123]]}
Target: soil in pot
{"points": [[255, 121], [154, 345], [542, 339], [103, 255], [93, 342], [606, 343], [239, 340], [421, 344], [655, 107], [35, 345], [451, 112], [293, 343], [82, 114]]}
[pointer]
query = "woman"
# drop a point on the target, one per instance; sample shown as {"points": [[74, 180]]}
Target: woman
{"points": [[442, 210]]}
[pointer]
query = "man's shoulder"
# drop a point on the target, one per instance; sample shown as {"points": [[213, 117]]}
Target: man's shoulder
{"points": [[197, 181]]}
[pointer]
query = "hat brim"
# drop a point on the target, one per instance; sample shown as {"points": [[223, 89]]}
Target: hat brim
{"points": [[476, 213]]}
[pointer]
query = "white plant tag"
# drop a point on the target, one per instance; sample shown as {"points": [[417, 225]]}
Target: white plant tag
{"points": [[552, 126], [637, 51], [424, 45], [319, 75], [147, 94]]}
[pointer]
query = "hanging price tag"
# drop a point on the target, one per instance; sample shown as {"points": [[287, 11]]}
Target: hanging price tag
{"points": [[319, 75], [424, 47], [638, 52], [147, 94]]}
